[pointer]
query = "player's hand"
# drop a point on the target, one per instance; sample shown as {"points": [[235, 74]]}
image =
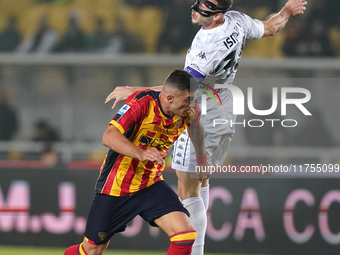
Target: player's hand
{"points": [[152, 154], [119, 94], [296, 7], [203, 170]]}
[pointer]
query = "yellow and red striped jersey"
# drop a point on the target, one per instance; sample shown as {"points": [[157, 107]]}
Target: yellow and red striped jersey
{"points": [[143, 121]]}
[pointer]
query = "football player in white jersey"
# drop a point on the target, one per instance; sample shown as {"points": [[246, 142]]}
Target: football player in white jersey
{"points": [[213, 59]]}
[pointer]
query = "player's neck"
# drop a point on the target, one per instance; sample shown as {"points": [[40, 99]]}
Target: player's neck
{"points": [[214, 24]]}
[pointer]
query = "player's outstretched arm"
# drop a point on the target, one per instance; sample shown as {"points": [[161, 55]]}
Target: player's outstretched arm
{"points": [[115, 140], [196, 133], [279, 20], [122, 93]]}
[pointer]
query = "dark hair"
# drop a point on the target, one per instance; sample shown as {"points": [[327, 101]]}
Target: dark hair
{"points": [[225, 4], [181, 80]]}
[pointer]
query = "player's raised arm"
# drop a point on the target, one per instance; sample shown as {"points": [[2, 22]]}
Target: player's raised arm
{"points": [[115, 140], [197, 137], [122, 93], [279, 20], [196, 133]]}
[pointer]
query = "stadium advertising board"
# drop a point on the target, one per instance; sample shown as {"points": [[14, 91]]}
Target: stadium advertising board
{"points": [[271, 216]]}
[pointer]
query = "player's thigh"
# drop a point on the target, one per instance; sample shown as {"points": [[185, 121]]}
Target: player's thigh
{"points": [[158, 200], [188, 185], [220, 148], [174, 222], [108, 215]]}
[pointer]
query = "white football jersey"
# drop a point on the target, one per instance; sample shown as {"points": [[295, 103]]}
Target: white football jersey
{"points": [[221, 47], [216, 50]]}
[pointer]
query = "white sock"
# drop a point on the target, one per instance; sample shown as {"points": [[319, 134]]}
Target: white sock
{"points": [[205, 196], [198, 218]]}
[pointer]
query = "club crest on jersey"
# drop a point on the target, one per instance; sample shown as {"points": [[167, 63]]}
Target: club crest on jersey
{"points": [[201, 55], [101, 236], [133, 100], [124, 109]]}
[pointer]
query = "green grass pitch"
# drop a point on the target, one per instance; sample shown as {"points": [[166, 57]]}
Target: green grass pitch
{"points": [[9, 250]]}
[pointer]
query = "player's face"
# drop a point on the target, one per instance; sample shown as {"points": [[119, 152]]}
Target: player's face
{"points": [[182, 103], [198, 19]]}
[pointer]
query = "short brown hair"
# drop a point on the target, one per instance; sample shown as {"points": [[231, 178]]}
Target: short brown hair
{"points": [[225, 4], [182, 80]]}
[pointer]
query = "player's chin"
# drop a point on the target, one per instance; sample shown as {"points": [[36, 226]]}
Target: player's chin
{"points": [[194, 21]]}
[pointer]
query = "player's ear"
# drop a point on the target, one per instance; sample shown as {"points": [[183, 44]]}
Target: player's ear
{"points": [[218, 16], [170, 98]]}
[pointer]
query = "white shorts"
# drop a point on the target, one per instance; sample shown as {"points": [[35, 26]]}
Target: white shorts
{"points": [[217, 139]]}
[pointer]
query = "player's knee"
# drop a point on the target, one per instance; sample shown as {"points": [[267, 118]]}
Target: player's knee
{"points": [[188, 189], [92, 249], [205, 182]]}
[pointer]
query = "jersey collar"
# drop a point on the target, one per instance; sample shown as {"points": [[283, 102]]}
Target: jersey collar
{"points": [[160, 107]]}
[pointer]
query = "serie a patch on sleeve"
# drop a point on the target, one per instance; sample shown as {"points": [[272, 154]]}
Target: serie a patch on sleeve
{"points": [[124, 109]]}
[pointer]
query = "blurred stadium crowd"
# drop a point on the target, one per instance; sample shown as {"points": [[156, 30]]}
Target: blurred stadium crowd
{"points": [[51, 103], [151, 26]]}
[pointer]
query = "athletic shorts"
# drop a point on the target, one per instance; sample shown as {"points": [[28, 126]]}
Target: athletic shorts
{"points": [[217, 138], [109, 214]]}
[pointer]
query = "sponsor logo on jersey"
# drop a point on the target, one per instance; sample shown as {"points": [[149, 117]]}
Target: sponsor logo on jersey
{"points": [[165, 131], [201, 55], [133, 100], [196, 67], [182, 139], [155, 142]]}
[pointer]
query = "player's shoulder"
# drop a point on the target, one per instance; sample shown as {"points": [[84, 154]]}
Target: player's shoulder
{"points": [[142, 98], [234, 14], [240, 17], [147, 93]]}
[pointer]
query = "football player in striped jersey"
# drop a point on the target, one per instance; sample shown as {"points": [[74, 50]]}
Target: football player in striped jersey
{"points": [[130, 182]]}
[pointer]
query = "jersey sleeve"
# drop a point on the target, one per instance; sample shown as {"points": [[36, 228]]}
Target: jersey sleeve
{"points": [[193, 70], [131, 113], [254, 28]]}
